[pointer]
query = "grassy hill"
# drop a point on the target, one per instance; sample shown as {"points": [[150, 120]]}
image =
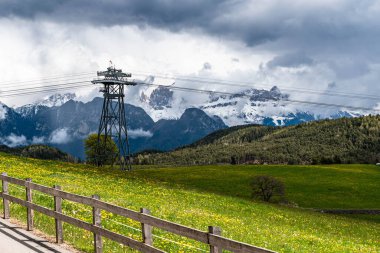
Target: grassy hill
{"points": [[352, 186], [215, 195], [345, 140]]}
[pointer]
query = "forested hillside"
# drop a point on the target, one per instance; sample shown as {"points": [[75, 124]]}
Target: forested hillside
{"points": [[345, 140], [40, 152]]}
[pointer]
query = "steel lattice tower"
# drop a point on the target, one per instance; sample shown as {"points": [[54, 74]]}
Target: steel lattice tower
{"points": [[113, 124]]}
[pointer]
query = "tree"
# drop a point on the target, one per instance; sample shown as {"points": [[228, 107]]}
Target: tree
{"points": [[265, 187], [109, 148], [45, 152]]}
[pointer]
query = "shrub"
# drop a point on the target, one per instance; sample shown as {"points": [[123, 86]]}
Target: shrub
{"points": [[233, 160], [103, 154], [265, 187], [46, 152]]}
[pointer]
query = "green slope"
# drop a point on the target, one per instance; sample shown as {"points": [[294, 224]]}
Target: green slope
{"points": [[199, 204], [354, 140], [352, 186]]}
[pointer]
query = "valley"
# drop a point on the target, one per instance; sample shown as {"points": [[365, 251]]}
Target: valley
{"points": [[182, 126]]}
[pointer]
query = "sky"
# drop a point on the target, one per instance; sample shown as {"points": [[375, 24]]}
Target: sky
{"points": [[322, 45]]}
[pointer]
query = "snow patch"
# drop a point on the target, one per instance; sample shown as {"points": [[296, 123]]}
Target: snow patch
{"points": [[56, 99], [278, 120]]}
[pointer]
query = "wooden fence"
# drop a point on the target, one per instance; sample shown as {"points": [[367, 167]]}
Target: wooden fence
{"points": [[212, 237]]}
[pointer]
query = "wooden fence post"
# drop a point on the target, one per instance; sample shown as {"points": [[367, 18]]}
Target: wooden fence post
{"points": [[58, 223], [215, 231], [29, 211], [97, 221], [146, 229], [5, 201]]}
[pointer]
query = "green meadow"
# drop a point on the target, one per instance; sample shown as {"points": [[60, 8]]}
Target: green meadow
{"points": [[215, 195], [343, 186]]}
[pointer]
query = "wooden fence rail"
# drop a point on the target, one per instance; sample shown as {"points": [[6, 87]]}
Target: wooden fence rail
{"points": [[212, 237]]}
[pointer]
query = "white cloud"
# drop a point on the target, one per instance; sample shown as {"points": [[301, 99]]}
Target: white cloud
{"points": [[42, 48], [60, 136], [14, 140], [136, 133], [38, 140]]}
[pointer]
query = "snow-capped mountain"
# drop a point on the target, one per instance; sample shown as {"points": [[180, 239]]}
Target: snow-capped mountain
{"points": [[49, 101], [65, 126], [161, 119], [250, 106], [57, 99], [160, 98], [160, 103]]}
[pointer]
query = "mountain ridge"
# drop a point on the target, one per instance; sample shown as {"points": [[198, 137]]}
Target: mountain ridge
{"points": [[65, 126], [249, 106], [63, 121]]}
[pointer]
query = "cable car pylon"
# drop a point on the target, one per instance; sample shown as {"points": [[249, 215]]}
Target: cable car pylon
{"points": [[113, 123]]}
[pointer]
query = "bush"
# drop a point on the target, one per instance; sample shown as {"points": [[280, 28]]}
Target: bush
{"points": [[233, 160], [103, 154], [46, 152], [265, 187]]}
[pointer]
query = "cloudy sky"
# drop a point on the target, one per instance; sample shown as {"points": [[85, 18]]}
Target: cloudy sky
{"points": [[320, 45]]}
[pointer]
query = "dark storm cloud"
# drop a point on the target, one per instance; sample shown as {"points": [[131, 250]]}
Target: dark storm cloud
{"points": [[27, 8], [326, 31], [350, 68], [253, 22], [159, 13], [217, 17], [293, 60]]}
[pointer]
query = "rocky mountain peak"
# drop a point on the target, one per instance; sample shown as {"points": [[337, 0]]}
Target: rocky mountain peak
{"points": [[144, 98], [192, 115], [3, 111], [253, 94], [275, 90], [160, 98], [56, 99]]}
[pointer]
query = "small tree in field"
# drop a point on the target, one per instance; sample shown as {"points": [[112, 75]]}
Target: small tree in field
{"points": [[91, 149], [265, 187]]}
